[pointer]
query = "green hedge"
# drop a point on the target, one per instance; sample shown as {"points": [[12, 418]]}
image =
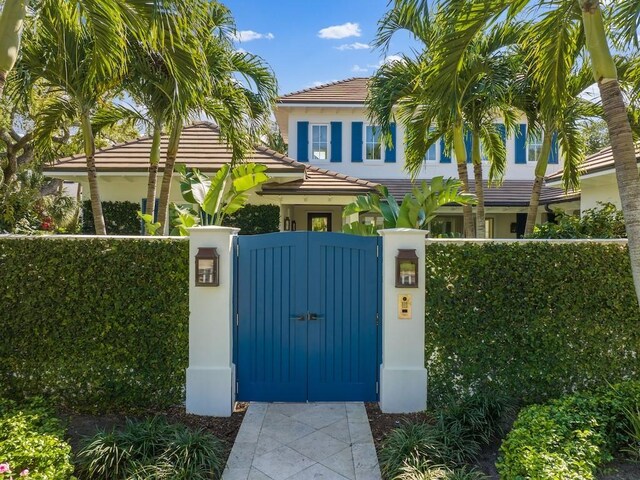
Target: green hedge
{"points": [[569, 438], [255, 219], [532, 320], [94, 324], [121, 218]]}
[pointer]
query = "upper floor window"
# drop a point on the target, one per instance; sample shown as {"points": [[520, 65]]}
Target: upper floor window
{"points": [[534, 147], [431, 155], [319, 142], [373, 143]]}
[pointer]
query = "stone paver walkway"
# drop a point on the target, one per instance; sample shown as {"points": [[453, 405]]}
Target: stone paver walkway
{"points": [[303, 441]]}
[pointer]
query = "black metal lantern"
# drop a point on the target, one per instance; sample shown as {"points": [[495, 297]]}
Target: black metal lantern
{"points": [[207, 268], [406, 269]]}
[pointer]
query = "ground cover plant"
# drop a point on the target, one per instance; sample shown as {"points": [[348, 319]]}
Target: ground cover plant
{"points": [[447, 446], [151, 449], [32, 442], [571, 437]]}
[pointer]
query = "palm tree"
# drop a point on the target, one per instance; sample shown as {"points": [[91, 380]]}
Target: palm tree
{"points": [[465, 18], [397, 89], [59, 53], [241, 110], [470, 106]]}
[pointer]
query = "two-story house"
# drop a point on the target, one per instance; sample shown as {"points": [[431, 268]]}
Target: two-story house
{"points": [[334, 155]]}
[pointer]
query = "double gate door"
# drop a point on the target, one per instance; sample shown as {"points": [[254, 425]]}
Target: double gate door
{"points": [[307, 317]]}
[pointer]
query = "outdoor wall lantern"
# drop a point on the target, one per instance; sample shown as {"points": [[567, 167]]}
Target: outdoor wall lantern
{"points": [[406, 269], [207, 268], [287, 224]]}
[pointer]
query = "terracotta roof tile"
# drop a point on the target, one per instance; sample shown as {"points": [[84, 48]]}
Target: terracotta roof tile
{"points": [[351, 90], [512, 193], [598, 162], [319, 181], [201, 147]]}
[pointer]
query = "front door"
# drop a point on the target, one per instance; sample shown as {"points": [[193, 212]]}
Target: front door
{"points": [[307, 317]]}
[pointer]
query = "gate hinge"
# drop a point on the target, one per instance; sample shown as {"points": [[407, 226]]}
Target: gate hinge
{"points": [[238, 387], [377, 318], [237, 250], [237, 319], [377, 388], [377, 251]]}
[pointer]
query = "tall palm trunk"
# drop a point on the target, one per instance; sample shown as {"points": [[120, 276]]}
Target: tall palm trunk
{"points": [[90, 152], [463, 174], [615, 114], [11, 21], [476, 158], [170, 163], [541, 171], [154, 160]]}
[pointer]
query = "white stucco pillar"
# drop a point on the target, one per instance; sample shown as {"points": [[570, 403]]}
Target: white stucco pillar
{"points": [[211, 373], [403, 376]]}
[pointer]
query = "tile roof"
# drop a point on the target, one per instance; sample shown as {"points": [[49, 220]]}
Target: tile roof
{"points": [[598, 162], [200, 146], [512, 193], [319, 181], [351, 90]]}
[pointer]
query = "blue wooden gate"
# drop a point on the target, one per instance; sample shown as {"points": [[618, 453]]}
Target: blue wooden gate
{"points": [[307, 310]]}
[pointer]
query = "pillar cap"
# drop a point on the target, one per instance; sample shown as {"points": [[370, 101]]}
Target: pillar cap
{"points": [[403, 231], [214, 229]]}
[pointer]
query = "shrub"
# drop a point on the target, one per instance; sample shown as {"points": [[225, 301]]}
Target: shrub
{"points": [[31, 438], [533, 320], [96, 324], [151, 449], [416, 470], [120, 218], [571, 437], [605, 221], [255, 219]]}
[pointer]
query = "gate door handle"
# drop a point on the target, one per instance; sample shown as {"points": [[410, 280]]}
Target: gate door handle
{"points": [[299, 317], [315, 316]]}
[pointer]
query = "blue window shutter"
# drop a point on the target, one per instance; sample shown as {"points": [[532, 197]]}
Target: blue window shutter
{"points": [[356, 141], [521, 144], [468, 140], [553, 157], [445, 157], [336, 141], [503, 132], [390, 151], [303, 142]]}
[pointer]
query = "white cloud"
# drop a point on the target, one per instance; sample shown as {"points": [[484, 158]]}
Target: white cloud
{"points": [[249, 35], [337, 32], [359, 69], [354, 46]]}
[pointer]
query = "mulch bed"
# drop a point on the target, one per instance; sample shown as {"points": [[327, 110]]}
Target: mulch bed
{"points": [[80, 426]]}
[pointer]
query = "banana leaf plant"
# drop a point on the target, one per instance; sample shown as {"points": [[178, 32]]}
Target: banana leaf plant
{"points": [[215, 197], [417, 209]]}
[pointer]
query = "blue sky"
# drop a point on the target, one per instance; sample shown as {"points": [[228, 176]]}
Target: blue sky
{"points": [[308, 42]]}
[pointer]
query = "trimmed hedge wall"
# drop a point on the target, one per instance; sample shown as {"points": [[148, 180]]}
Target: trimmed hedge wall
{"points": [[120, 218], [94, 324], [255, 219], [530, 320]]}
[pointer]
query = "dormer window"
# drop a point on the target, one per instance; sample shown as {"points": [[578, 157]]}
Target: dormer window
{"points": [[373, 143], [534, 147], [320, 142]]}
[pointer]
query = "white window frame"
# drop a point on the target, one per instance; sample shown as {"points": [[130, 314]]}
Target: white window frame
{"points": [[364, 145], [311, 157], [436, 149], [538, 143]]}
